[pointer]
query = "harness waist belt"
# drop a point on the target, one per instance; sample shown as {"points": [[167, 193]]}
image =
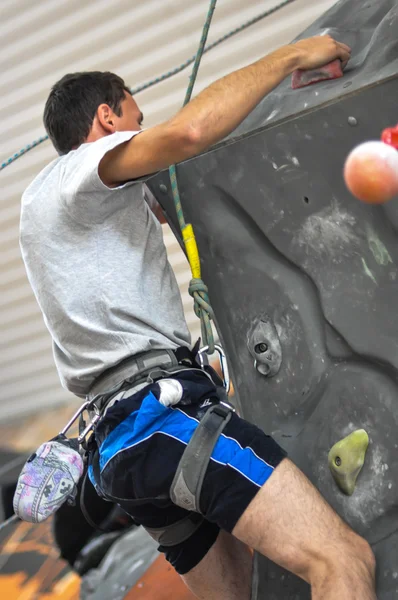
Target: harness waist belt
{"points": [[128, 370]]}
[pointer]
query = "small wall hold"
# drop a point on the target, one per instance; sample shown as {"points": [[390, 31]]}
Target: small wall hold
{"points": [[352, 121], [347, 458], [264, 346]]}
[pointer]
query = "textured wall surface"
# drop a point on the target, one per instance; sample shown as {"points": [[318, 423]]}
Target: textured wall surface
{"points": [[40, 41], [295, 263]]}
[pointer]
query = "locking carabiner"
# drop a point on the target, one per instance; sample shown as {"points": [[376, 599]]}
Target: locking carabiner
{"points": [[223, 364]]}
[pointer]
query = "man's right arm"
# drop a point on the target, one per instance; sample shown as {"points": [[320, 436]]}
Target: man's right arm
{"points": [[215, 112]]}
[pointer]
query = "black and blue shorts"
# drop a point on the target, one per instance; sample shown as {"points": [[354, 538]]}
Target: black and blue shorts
{"points": [[140, 445]]}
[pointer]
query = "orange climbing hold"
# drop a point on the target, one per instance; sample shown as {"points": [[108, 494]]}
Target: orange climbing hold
{"points": [[371, 172]]}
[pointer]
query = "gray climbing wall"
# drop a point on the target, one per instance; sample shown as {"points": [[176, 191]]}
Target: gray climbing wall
{"points": [[292, 260]]}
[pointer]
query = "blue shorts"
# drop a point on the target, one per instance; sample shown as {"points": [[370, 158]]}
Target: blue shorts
{"points": [[140, 445]]}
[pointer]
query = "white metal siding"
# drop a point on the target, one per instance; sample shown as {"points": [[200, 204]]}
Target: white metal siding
{"points": [[40, 42]]}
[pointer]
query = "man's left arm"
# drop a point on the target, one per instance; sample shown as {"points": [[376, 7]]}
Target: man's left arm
{"points": [[154, 206]]}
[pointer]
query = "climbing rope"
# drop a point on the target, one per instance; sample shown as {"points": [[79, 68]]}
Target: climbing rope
{"points": [[5, 524], [23, 151], [224, 38], [197, 289], [163, 77]]}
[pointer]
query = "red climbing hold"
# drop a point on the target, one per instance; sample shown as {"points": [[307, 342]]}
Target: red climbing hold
{"points": [[390, 136], [302, 78]]}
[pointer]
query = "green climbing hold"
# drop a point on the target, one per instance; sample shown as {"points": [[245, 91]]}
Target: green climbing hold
{"points": [[347, 458]]}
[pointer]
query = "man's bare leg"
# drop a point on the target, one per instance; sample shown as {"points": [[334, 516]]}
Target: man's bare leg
{"points": [[289, 522], [225, 572]]}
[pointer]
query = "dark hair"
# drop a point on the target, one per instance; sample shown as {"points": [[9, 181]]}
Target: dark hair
{"points": [[73, 102]]}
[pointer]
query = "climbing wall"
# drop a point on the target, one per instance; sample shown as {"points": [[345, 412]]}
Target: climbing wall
{"points": [[303, 279]]}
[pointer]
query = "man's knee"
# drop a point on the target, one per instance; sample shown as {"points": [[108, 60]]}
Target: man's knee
{"points": [[351, 554], [363, 552]]}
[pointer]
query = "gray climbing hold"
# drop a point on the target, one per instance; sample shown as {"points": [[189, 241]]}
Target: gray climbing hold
{"points": [[347, 458], [264, 346]]}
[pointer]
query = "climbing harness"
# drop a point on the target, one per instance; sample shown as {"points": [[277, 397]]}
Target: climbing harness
{"points": [[186, 487], [169, 535], [130, 375], [187, 484], [138, 370], [58, 461]]}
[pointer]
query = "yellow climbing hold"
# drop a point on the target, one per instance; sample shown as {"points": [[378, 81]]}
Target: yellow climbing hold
{"points": [[347, 458]]}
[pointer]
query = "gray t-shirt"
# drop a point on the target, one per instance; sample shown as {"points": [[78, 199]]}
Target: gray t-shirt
{"points": [[97, 264]]}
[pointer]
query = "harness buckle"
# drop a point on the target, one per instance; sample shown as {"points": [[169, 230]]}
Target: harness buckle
{"points": [[226, 405], [223, 364]]}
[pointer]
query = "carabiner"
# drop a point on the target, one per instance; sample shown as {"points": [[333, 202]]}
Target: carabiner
{"points": [[86, 406], [223, 364]]}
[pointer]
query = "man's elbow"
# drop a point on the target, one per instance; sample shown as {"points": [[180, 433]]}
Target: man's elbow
{"points": [[189, 140], [194, 138]]}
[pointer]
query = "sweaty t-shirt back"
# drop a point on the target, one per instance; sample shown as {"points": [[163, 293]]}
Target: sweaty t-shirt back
{"points": [[97, 263]]}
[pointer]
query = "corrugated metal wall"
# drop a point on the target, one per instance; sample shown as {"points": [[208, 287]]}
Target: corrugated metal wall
{"points": [[40, 42]]}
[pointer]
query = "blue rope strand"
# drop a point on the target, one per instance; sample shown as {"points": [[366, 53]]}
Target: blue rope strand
{"points": [[24, 150], [224, 38], [163, 77]]}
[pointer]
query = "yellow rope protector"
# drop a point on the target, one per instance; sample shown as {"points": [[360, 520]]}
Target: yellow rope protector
{"points": [[192, 250]]}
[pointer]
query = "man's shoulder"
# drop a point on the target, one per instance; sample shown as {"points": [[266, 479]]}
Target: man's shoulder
{"points": [[56, 168], [51, 174], [73, 176], [40, 183], [79, 158]]}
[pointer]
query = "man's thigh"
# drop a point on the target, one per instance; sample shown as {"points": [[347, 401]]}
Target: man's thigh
{"points": [[290, 522], [224, 573], [242, 462]]}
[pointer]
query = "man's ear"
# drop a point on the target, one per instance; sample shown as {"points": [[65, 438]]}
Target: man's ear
{"points": [[106, 118]]}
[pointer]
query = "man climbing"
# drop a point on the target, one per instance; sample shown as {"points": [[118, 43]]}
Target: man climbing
{"points": [[96, 261]]}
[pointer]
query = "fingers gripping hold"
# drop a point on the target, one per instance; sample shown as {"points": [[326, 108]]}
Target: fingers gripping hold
{"points": [[318, 51]]}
